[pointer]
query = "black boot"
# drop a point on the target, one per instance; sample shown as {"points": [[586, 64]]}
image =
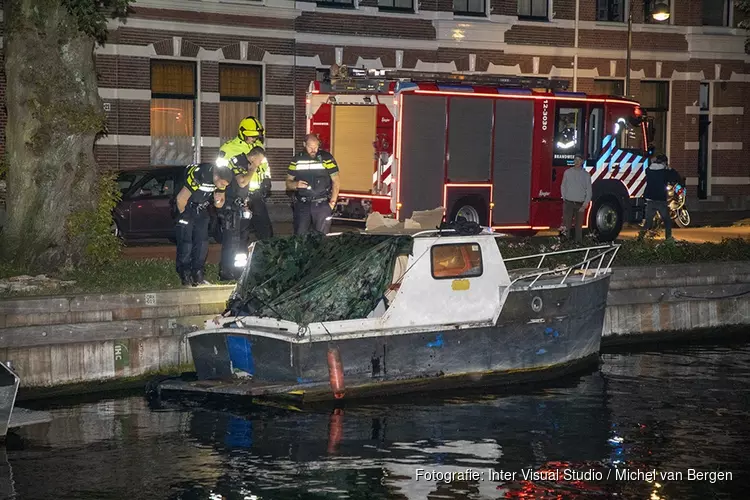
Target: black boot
{"points": [[198, 279], [185, 278]]}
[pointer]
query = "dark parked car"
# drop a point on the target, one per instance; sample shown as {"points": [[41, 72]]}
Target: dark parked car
{"points": [[148, 203]]}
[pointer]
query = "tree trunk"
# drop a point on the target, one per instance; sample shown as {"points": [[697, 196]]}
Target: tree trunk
{"points": [[54, 116]]}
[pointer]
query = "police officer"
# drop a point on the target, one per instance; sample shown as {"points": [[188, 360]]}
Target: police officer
{"points": [[233, 153], [202, 182], [313, 177], [236, 215]]}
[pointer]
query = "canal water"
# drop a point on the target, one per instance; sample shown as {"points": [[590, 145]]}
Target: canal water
{"points": [[672, 423]]}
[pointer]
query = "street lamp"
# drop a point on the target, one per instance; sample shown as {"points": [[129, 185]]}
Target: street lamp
{"points": [[660, 12]]}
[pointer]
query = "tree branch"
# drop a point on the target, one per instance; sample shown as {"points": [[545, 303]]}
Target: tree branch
{"points": [[92, 15]]}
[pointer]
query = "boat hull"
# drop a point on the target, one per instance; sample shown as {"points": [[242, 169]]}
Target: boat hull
{"points": [[549, 328]]}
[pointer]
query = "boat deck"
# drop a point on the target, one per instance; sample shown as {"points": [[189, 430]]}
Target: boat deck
{"points": [[368, 388]]}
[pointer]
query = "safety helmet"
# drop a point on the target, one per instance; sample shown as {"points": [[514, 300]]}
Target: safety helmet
{"points": [[251, 127]]}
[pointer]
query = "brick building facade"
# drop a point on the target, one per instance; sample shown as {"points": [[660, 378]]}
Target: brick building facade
{"points": [[176, 77]]}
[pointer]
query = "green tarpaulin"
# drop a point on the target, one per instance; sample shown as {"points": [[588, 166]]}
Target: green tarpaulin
{"points": [[314, 278]]}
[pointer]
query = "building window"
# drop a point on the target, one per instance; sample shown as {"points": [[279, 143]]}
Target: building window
{"points": [[704, 96], [654, 98], [716, 12], [609, 87], [648, 8], [568, 134], [610, 10], [533, 9], [459, 260], [336, 3], [241, 92], [396, 5], [469, 7], [172, 112]]}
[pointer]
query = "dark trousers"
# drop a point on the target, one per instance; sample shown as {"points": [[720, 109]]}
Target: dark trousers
{"points": [[234, 238], [261, 221], [572, 213], [653, 206], [192, 243], [315, 215]]}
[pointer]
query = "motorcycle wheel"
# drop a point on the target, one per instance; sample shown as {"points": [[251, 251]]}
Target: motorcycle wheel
{"points": [[683, 217]]}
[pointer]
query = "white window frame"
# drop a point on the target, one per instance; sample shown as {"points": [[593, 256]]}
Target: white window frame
{"points": [[487, 8], [668, 141], [626, 9], [728, 16], [414, 8], [263, 77], [550, 14]]}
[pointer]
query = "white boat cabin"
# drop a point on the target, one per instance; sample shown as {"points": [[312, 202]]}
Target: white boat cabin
{"points": [[447, 281]]}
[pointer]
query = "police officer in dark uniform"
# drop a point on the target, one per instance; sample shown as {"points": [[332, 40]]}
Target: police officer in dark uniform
{"points": [[313, 177], [236, 216], [202, 182]]}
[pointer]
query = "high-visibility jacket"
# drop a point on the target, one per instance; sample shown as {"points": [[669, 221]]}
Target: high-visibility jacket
{"points": [[233, 154]]}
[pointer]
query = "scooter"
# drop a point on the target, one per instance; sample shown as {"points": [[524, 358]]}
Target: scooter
{"points": [[676, 196]]}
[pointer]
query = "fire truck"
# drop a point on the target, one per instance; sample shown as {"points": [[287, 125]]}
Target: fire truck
{"points": [[491, 149]]}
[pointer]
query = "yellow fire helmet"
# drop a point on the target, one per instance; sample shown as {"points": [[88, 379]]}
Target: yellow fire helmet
{"points": [[251, 127]]}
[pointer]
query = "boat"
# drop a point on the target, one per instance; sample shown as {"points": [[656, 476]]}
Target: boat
{"points": [[446, 311], [11, 416]]}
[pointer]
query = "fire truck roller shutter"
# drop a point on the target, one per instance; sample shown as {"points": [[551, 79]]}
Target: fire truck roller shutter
{"points": [[352, 135], [469, 139], [514, 123], [469, 157], [422, 162]]}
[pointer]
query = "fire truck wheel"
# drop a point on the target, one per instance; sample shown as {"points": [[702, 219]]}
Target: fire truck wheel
{"points": [[606, 219], [470, 208]]}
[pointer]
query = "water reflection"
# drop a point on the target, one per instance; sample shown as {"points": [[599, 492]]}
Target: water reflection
{"points": [[667, 411]]}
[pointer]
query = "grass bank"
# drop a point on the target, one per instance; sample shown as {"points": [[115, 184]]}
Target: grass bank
{"points": [[120, 276], [159, 274]]}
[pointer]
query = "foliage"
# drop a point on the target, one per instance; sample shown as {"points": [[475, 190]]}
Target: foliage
{"points": [[92, 15], [744, 6], [95, 226]]}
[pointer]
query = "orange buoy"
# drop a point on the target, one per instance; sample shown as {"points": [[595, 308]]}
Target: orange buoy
{"points": [[336, 372], [335, 430]]}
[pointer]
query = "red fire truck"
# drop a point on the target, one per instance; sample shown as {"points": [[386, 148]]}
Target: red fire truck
{"points": [[491, 149]]}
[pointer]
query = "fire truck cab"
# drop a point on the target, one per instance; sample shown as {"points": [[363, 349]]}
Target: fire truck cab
{"points": [[491, 149]]}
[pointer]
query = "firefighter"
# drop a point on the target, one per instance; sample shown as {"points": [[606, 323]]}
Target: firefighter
{"points": [[234, 154], [313, 178], [235, 217], [202, 182]]}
